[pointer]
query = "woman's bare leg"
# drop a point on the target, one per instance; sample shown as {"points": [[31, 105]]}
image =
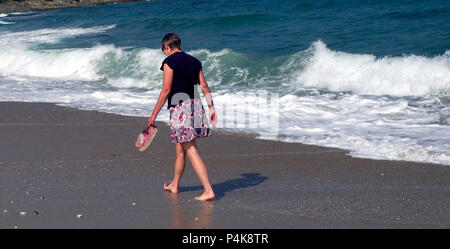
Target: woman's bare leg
{"points": [[200, 169], [180, 162]]}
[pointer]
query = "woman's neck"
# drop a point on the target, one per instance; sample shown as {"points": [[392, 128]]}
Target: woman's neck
{"points": [[174, 51]]}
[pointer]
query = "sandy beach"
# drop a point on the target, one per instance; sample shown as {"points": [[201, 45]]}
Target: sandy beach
{"points": [[59, 162]]}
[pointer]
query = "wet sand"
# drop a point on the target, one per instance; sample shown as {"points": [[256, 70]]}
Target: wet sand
{"points": [[57, 162]]}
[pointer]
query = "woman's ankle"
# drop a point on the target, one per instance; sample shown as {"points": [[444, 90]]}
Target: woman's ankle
{"points": [[208, 191]]}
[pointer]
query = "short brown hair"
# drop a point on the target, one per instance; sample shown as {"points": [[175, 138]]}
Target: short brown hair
{"points": [[172, 40]]}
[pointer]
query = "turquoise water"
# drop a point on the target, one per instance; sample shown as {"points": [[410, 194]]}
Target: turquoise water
{"points": [[372, 77]]}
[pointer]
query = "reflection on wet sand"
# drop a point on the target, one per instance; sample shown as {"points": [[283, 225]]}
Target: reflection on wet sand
{"points": [[195, 216]]}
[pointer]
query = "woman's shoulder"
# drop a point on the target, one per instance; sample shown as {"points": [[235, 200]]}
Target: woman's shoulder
{"points": [[169, 60], [180, 58], [185, 57], [194, 59]]}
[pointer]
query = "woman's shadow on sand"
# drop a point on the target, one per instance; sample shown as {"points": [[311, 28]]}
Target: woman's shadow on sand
{"points": [[247, 180]]}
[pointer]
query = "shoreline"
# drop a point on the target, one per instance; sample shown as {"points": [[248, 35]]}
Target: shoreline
{"points": [[43, 5], [252, 135], [59, 162]]}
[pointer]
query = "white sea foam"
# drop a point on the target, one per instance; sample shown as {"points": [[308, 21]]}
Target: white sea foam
{"points": [[3, 22], [21, 13], [366, 74], [51, 35], [14, 13], [380, 128], [115, 66], [75, 64]]}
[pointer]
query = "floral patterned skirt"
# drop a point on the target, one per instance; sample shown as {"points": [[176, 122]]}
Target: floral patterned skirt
{"points": [[188, 121]]}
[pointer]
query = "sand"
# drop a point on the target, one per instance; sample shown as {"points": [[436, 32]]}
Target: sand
{"points": [[68, 168]]}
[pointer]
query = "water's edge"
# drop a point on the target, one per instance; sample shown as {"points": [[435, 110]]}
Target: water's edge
{"points": [[239, 134]]}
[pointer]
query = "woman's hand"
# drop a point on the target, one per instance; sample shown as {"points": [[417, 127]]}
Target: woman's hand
{"points": [[212, 116], [151, 121]]}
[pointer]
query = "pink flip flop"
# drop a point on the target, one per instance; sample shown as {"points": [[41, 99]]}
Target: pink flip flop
{"points": [[145, 138]]}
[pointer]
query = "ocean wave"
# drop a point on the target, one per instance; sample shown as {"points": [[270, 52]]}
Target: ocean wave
{"points": [[50, 35], [409, 75], [14, 13], [22, 13], [3, 22], [318, 67], [75, 64]]}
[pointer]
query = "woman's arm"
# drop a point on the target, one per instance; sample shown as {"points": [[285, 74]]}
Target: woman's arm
{"points": [[208, 96], [167, 86]]}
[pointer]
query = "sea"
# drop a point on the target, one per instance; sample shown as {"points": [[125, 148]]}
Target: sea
{"points": [[371, 77]]}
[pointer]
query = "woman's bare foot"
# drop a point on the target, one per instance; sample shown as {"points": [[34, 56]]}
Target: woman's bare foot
{"points": [[170, 187], [206, 196]]}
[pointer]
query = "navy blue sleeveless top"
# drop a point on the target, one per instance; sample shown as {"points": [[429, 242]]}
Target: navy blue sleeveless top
{"points": [[185, 75]]}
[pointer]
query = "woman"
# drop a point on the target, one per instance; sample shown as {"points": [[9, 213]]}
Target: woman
{"points": [[188, 121]]}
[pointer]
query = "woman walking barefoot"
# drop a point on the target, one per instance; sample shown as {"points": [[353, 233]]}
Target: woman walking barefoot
{"points": [[188, 120]]}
